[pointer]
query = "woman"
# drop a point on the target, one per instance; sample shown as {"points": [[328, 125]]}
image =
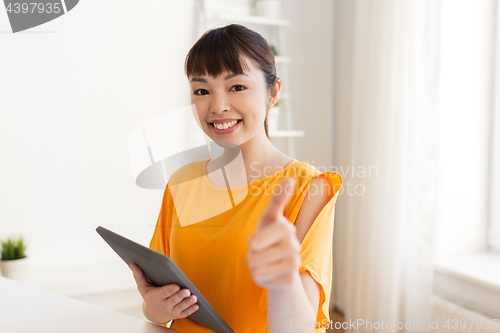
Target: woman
{"points": [[259, 250]]}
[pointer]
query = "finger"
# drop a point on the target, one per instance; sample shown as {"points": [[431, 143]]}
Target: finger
{"points": [[271, 234], [178, 297], [281, 196], [185, 305], [267, 273], [190, 310], [275, 253], [140, 280], [281, 282], [169, 290]]}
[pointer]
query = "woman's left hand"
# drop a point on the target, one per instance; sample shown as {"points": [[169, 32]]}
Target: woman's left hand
{"points": [[274, 250]]}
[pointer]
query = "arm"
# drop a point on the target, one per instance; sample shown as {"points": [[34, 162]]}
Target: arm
{"points": [[300, 301], [289, 307]]}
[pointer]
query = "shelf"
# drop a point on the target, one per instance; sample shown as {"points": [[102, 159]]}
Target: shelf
{"points": [[285, 134], [250, 19]]}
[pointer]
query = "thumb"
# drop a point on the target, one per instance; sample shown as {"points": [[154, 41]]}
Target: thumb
{"points": [[140, 280], [276, 206]]}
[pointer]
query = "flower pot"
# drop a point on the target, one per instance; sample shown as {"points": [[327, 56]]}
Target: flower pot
{"points": [[14, 269], [273, 119], [268, 8]]}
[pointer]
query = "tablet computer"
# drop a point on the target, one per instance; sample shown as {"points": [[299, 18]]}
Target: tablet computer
{"points": [[160, 270]]}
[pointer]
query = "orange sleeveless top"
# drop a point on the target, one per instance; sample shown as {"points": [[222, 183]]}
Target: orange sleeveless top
{"points": [[204, 230]]}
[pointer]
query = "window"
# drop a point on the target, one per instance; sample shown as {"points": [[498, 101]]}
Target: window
{"points": [[467, 268]]}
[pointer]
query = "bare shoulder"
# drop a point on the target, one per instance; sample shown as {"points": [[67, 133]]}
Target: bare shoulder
{"points": [[317, 197]]}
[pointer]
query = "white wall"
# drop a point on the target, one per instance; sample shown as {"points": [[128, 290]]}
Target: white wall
{"points": [[310, 40], [71, 91]]}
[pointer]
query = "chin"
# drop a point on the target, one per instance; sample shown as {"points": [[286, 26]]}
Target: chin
{"points": [[227, 143]]}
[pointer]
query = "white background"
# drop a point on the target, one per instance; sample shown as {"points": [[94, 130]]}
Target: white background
{"points": [[72, 90]]}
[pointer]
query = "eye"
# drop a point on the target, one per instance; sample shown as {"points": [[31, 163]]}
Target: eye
{"points": [[238, 85], [196, 92]]}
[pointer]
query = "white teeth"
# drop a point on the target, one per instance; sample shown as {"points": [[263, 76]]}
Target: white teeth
{"points": [[225, 125]]}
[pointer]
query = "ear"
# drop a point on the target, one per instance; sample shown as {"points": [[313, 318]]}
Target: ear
{"points": [[274, 94]]}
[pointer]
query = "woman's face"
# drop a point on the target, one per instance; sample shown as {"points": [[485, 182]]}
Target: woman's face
{"points": [[228, 98]]}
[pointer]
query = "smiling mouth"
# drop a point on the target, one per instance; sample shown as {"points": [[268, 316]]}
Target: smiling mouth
{"points": [[237, 122]]}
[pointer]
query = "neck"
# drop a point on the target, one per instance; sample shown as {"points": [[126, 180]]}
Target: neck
{"points": [[256, 153]]}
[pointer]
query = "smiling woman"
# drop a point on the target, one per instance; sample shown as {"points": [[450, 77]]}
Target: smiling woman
{"points": [[261, 255]]}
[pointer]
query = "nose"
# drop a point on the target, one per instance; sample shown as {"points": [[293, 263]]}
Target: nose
{"points": [[219, 104]]}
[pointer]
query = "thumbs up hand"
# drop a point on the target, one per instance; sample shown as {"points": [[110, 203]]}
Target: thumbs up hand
{"points": [[273, 257]]}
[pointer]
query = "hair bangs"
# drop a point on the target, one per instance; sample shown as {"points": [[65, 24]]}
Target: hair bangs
{"points": [[214, 55]]}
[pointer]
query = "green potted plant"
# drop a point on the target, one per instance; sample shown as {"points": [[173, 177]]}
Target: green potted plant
{"points": [[13, 259]]}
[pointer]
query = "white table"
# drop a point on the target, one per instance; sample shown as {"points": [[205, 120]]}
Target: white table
{"points": [[24, 308]]}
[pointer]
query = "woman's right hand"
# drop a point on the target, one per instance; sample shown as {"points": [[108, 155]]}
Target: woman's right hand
{"points": [[162, 304]]}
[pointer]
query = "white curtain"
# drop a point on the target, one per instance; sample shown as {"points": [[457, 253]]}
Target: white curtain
{"points": [[386, 105]]}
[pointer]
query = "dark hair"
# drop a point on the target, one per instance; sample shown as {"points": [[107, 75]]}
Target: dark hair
{"points": [[222, 49]]}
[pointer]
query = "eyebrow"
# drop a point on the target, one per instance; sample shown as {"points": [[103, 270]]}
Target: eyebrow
{"points": [[229, 76]]}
